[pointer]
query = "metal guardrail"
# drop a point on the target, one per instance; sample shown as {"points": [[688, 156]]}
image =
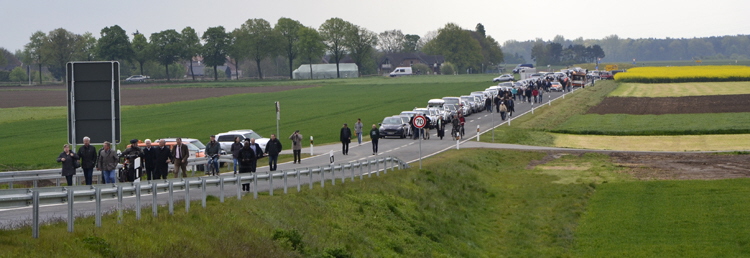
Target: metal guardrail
{"points": [[35, 176], [56, 195]]}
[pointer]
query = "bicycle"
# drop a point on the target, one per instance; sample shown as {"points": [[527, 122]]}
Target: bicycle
{"points": [[212, 166]]}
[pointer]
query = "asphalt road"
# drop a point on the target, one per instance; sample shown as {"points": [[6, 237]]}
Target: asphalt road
{"points": [[405, 149]]}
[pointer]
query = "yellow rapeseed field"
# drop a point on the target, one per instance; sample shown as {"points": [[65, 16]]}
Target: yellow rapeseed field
{"points": [[709, 73]]}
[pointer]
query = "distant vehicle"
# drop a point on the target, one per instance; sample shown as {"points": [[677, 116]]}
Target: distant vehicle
{"points": [[394, 126], [521, 66], [137, 78], [556, 86], [401, 71], [226, 139], [503, 78], [605, 75], [527, 73]]}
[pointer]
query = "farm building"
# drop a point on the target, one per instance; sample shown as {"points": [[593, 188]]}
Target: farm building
{"points": [[325, 71]]}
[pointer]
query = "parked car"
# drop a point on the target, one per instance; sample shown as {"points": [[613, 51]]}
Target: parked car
{"points": [[394, 126], [503, 78], [226, 139], [451, 109], [475, 107], [521, 66], [605, 75], [556, 86], [137, 78]]}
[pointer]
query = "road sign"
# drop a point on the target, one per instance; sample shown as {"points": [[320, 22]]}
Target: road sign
{"points": [[93, 101], [420, 121]]}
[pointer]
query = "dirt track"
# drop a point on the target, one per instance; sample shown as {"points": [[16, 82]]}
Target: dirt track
{"points": [[673, 105], [133, 94]]}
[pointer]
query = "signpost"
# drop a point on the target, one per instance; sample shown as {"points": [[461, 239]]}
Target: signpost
{"points": [[419, 122], [93, 101]]}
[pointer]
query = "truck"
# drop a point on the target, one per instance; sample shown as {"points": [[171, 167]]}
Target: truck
{"points": [[401, 71], [526, 73]]}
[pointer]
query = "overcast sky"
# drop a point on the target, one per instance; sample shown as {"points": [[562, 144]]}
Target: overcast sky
{"points": [[504, 20]]}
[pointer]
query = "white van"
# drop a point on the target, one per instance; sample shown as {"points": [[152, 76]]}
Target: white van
{"points": [[401, 71], [436, 103]]}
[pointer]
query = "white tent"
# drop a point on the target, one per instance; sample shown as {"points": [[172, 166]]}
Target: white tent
{"points": [[325, 71]]}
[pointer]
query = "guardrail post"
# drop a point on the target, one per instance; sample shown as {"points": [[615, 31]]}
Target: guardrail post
{"points": [[333, 174], [119, 204], [299, 181], [255, 185], [187, 195], [71, 219], [221, 188], [285, 191], [351, 170], [35, 214], [57, 182], [369, 170], [238, 180], [270, 188], [359, 164], [35, 184], [171, 198], [98, 219], [203, 190], [377, 167], [154, 203], [322, 177], [309, 173], [137, 201], [10, 185]]}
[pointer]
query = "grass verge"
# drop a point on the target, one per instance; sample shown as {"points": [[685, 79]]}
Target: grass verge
{"points": [[667, 219], [714, 142], [655, 90], [671, 124]]}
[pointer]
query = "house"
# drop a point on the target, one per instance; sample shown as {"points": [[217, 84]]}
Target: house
{"points": [[199, 69], [390, 61]]}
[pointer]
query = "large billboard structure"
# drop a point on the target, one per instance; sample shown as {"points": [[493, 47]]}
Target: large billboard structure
{"points": [[93, 101]]}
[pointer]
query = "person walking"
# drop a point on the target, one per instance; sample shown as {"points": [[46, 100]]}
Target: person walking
{"points": [[503, 109], [510, 103], [87, 153], [247, 160], [497, 100], [374, 136], [235, 149], [258, 154], [179, 157], [213, 152], [296, 138], [426, 129], [358, 131], [345, 137], [68, 160], [440, 126], [535, 93], [149, 159], [131, 153], [488, 105], [106, 162], [273, 148], [161, 160], [514, 92]]}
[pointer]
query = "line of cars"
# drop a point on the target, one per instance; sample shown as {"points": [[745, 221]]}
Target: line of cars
{"points": [[446, 107]]}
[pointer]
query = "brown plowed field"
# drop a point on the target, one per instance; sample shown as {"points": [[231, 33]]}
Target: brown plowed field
{"points": [[673, 105], [135, 94]]}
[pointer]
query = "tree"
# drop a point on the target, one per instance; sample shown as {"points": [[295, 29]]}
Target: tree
{"points": [[18, 75], [166, 48], [60, 49], [86, 47], [262, 41], [391, 41], [334, 33], [141, 50], [360, 42], [114, 44], [236, 47], [192, 46], [458, 47], [215, 49], [32, 53], [289, 31], [411, 43], [310, 45], [480, 30]]}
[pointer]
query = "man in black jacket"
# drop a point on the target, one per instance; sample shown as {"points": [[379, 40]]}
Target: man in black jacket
{"points": [[346, 137], [258, 154], [161, 160], [273, 148], [149, 160], [87, 154]]}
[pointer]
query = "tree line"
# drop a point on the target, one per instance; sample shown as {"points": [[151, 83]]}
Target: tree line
{"points": [[617, 49], [256, 43]]}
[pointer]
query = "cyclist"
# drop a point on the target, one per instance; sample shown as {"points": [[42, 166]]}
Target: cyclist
{"points": [[212, 153]]}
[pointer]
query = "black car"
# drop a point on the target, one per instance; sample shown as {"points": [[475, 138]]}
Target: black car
{"points": [[521, 66], [394, 126]]}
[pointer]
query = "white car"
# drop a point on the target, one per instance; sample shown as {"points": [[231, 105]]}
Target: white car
{"points": [[137, 78], [503, 78], [227, 139]]}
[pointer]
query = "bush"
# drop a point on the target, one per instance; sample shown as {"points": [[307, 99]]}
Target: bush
{"points": [[421, 69], [18, 75], [4, 76], [448, 69]]}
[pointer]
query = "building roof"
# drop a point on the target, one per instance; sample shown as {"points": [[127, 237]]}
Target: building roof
{"points": [[397, 58]]}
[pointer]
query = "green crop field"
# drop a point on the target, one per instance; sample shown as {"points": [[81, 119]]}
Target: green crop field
{"points": [[32, 137], [671, 124], [654, 90], [667, 219]]}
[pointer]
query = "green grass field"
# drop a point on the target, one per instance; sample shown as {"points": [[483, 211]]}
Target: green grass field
{"points": [[667, 219], [655, 90], [671, 124], [317, 111]]}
